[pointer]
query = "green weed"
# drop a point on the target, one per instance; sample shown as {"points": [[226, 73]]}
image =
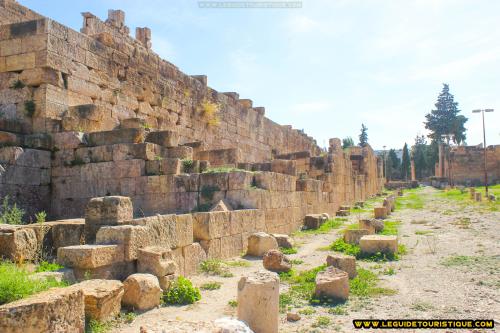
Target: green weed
{"points": [[182, 292], [210, 286]]}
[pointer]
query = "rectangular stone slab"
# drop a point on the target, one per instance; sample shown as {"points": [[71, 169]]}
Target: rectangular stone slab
{"points": [[372, 244], [89, 256]]}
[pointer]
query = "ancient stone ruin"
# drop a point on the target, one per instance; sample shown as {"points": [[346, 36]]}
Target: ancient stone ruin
{"points": [[142, 168]]}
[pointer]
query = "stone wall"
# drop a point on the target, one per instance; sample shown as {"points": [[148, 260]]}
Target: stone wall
{"points": [[464, 165]]}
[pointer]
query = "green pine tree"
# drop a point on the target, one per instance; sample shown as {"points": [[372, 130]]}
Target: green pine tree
{"points": [[445, 119], [405, 163], [363, 136]]}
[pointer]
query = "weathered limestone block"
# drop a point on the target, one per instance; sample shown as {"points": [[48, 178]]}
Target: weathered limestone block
{"points": [[259, 243], [352, 236], [221, 157], [380, 212], [275, 261], [344, 263], [142, 292], [239, 180], [258, 301], [367, 225], [102, 298], [342, 212], [332, 283], [55, 310], [284, 166], [372, 244], [66, 232], [314, 221], [65, 274], [89, 256], [472, 192], [164, 138], [130, 237], [167, 281], [133, 123], [478, 196], [110, 210], [212, 248], [182, 152], [124, 135], [69, 140], [211, 225], [193, 255], [183, 231], [166, 166], [284, 240], [155, 260], [17, 243]]}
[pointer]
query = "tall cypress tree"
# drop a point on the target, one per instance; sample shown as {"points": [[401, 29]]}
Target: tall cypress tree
{"points": [[363, 136], [405, 163], [445, 119]]}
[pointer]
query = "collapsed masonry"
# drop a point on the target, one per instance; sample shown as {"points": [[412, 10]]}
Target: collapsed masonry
{"points": [[98, 114]]}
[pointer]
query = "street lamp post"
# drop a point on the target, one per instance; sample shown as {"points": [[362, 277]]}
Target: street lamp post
{"points": [[482, 111]]}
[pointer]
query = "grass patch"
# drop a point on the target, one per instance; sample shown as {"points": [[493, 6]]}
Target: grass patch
{"points": [[422, 306], [411, 200], [389, 271], [338, 310], [296, 261], [215, 267], [390, 228], [95, 326], [423, 232], [325, 228], [301, 289], [365, 285], [16, 283], [222, 169], [322, 321], [307, 311], [491, 263], [210, 286], [462, 222], [232, 303], [46, 266], [238, 263], [340, 245], [291, 250]]}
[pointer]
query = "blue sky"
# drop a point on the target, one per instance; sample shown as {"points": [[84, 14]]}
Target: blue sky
{"points": [[333, 64]]}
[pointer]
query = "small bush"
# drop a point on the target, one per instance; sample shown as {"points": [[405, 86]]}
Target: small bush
{"points": [[182, 292], [46, 266], [95, 326], [16, 283], [10, 214], [187, 165], [40, 217], [232, 303], [18, 85], [29, 108], [210, 286], [210, 112]]}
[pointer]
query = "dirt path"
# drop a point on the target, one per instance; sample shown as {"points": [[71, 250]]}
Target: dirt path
{"points": [[451, 270]]}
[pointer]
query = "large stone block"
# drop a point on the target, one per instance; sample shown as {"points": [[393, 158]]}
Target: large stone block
{"points": [[102, 298], [240, 180], [275, 261], [18, 243], [166, 166], [67, 232], [259, 243], [55, 310], [380, 212], [258, 301], [332, 283], [89, 256], [344, 263], [124, 135], [164, 138], [130, 237], [284, 166], [183, 230], [106, 211], [352, 236], [211, 225], [372, 244], [142, 292], [156, 260], [314, 221], [193, 255], [69, 140]]}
